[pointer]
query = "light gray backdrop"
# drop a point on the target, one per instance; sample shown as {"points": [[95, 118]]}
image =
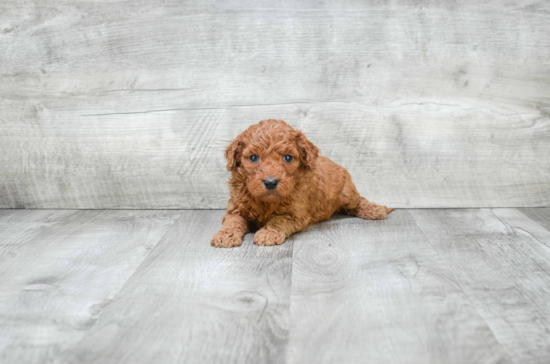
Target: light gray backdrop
{"points": [[130, 104]]}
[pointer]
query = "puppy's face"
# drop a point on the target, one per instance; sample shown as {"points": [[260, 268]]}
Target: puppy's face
{"points": [[270, 170], [269, 156]]}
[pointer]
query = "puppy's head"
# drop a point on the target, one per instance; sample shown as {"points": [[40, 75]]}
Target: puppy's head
{"points": [[269, 157]]}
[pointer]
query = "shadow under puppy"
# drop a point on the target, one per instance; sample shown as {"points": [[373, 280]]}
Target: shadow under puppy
{"points": [[280, 183]]}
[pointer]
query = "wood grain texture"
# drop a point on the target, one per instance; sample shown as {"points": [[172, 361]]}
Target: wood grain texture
{"points": [[55, 284], [540, 215], [193, 303], [113, 104], [19, 227], [526, 223], [504, 271], [442, 286], [377, 292]]}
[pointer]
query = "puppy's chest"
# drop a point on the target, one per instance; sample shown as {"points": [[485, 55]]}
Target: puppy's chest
{"points": [[262, 215]]}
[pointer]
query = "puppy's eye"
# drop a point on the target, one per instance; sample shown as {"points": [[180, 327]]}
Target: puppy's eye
{"points": [[253, 158], [288, 158]]}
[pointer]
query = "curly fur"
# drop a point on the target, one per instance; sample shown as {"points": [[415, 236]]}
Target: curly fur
{"points": [[311, 187]]}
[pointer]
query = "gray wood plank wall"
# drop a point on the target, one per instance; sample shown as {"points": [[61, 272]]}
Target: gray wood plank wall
{"points": [[117, 104]]}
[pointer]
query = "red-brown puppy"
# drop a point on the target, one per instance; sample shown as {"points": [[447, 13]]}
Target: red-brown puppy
{"points": [[280, 183]]}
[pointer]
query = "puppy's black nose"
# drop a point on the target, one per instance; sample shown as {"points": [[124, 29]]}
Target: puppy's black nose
{"points": [[271, 183]]}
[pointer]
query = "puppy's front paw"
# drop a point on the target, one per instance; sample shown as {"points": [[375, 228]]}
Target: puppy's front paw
{"points": [[226, 239], [269, 237]]}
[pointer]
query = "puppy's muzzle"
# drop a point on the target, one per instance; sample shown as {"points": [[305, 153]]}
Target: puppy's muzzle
{"points": [[271, 183]]}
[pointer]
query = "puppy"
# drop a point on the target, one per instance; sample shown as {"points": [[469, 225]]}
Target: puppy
{"points": [[281, 184]]}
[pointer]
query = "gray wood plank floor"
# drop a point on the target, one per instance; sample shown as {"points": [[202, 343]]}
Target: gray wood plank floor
{"points": [[423, 286]]}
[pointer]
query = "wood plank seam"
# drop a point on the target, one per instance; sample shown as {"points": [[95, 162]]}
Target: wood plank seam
{"points": [[127, 280], [525, 231], [459, 284]]}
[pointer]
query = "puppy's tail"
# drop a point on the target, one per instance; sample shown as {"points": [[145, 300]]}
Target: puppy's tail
{"points": [[389, 211]]}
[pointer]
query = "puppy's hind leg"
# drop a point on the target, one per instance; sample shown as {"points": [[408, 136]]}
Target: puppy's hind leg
{"points": [[369, 210], [355, 205]]}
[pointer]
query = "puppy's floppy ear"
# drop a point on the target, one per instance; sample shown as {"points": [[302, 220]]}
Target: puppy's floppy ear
{"points": [[233, 154], [308, 151]]}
